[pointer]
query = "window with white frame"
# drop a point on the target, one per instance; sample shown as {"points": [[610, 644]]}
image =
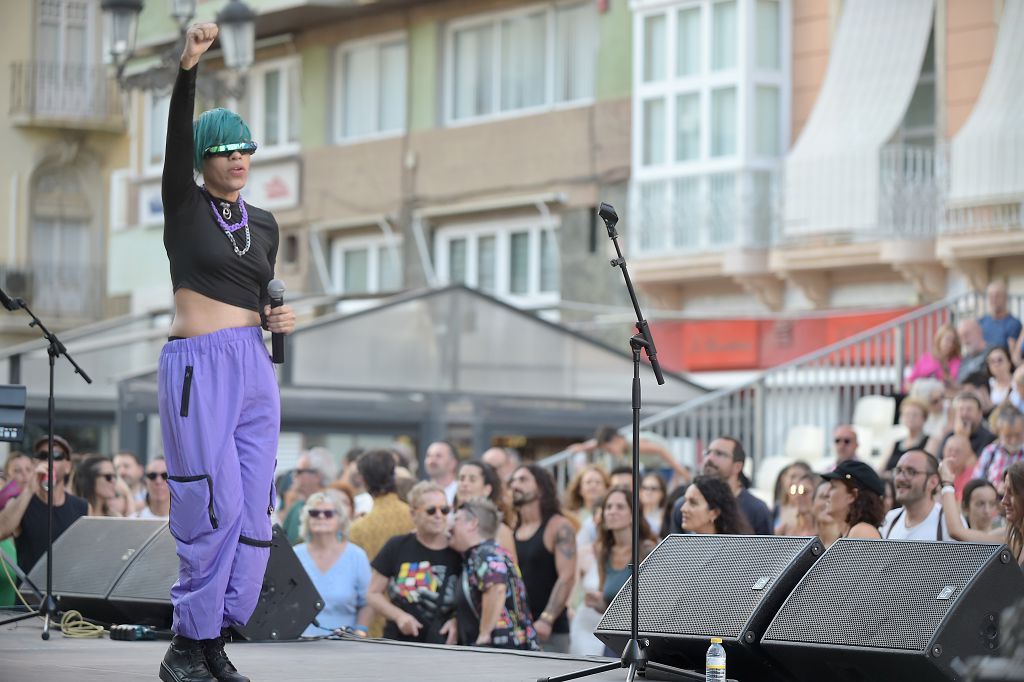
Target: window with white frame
{"points": [[515, 259], [708, 92], [157, 109], [271, 104], [528, 59], [366, 265], [370, 88]]}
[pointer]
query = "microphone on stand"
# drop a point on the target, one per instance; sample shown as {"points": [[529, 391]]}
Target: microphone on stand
{"points": [[275, 288]]}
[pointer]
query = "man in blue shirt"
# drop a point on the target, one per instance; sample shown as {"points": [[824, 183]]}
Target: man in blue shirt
{"points": [[998, 325]]}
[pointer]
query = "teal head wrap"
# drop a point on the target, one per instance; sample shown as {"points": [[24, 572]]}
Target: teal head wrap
{"points": [[217, 127]]}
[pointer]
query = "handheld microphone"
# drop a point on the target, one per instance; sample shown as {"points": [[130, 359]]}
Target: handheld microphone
{"points": [[275, 288]]}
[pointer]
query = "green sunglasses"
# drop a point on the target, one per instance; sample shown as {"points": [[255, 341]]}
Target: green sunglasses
{"points": [[229, 149]]}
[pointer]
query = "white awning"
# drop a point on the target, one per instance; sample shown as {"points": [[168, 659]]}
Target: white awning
{"points": [[987, 155], [832, 172]]}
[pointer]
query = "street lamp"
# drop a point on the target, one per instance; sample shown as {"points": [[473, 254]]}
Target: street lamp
{"points": [[121, 19], [237, 23]]}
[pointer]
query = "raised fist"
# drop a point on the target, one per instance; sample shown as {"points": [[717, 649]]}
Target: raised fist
{"points": [[197, 41]]}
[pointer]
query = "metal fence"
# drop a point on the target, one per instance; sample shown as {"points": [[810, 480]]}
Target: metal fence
{"points": [[819, 389], [65, 91]]}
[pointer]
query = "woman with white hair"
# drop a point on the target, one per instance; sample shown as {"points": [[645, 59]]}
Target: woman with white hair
{"points": [[340, 570]]}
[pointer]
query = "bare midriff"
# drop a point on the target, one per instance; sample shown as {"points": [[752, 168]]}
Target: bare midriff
{"points": [[195, 315]]}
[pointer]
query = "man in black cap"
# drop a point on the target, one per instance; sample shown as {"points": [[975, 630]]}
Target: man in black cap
{"points": [[854, 499], [724, 458], [25, 516]]}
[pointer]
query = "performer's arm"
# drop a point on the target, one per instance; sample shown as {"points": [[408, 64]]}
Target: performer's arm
{"points": [[177, 178]]}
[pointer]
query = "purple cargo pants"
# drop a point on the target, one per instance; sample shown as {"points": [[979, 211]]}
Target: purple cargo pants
{"points": [[220, 414]]}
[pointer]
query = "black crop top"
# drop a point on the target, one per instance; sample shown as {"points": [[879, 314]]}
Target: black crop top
{"points": [[202, 258]]}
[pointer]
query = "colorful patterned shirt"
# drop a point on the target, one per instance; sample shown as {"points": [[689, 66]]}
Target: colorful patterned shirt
{"points": [[995, 459], [483, 566]]}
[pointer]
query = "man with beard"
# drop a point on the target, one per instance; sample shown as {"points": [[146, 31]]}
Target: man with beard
{"points": [[415, 575], [724, 458], [919, 516], [441, 462], [546, 547]]}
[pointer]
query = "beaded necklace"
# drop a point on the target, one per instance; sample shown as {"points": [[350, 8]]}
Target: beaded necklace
{"points": [[229, 229]]}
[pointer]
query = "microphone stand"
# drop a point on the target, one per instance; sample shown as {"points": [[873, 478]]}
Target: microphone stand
{"points": [[48, 607], [634, 655]]}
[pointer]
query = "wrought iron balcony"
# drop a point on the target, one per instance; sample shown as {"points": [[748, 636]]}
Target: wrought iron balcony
{"points": [[65, 95]]}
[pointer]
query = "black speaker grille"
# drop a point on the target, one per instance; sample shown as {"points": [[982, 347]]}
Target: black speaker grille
{"points": [[90, 555], [151, 575], [878, 593], [704, 585]]}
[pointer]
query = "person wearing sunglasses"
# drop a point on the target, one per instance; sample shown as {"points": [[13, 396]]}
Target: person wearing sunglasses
{"points": [[158, 495], [25, 517], [95, 481], [219, 400], [338, 568], [415, 576]]}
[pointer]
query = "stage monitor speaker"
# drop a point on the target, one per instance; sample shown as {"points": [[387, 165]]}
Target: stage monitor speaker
{"points": [[288, 601], [895, 610], [695, 587], [122, 570], [88, 560]]}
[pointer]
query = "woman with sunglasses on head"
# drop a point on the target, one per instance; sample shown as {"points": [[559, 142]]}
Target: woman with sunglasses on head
{"points": [[219, 399], [339, 569], [95, 483], [158, 495]]}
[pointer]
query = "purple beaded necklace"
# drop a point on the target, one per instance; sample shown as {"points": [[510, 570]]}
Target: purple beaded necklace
{"points": [[228, 229]]}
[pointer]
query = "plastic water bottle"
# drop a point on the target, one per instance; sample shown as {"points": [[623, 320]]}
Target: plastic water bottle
{"points": [[715, 661]]}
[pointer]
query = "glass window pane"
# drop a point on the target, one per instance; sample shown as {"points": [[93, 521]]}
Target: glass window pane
{"points": [[688, 127], [519, 263], [688, 47], [723, 122], [654, 132], [575, 51], [486, 263], [272, 107], [523, 60], [655, 47], [473, 73], [392, 86], [390, 269], [548, 261], [457, 261], [766, 120], [359, 70], [723, 35], [356, 270], [159, 108], [766, 32]]}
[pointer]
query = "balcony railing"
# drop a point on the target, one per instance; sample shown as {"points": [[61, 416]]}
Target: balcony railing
{"points": [[64, 95], [57, 291], [703, 213]]}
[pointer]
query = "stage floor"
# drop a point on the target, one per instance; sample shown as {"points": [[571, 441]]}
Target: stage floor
{"points": [[24, 656]]}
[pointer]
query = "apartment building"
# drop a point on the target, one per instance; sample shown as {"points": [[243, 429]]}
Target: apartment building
{"points": [[62, 132]]}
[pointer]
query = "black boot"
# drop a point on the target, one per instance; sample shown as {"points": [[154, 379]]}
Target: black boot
{"points": [[184, 662], [220, 665]]}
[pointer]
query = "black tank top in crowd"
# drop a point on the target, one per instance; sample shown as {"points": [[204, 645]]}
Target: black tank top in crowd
{"points": [[540, 575], [202, 258]]}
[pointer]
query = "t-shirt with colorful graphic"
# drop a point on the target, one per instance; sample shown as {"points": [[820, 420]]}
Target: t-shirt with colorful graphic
{"points": [[485, 565], [421, 582]]}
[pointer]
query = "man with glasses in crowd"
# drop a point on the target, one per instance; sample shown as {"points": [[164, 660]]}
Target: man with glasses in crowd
{"points": [[724, 458], [415, 576], [919, 516], [25, 517], [844, 438]]}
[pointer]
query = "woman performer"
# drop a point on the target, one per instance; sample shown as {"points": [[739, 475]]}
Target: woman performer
{"points": [[219, 400]]}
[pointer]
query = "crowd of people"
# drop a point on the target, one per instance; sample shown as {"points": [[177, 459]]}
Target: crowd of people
{"points": [[486, 551]]}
